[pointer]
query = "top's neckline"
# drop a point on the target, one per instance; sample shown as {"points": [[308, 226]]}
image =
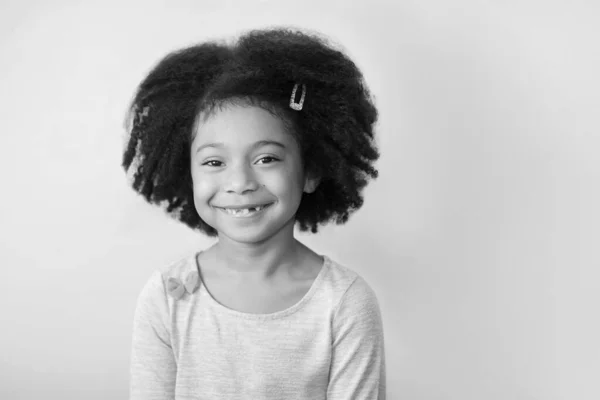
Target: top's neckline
{"points": [[274, 315]]}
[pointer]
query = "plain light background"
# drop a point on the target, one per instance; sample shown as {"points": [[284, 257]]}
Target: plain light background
{"points": [[480, 237]]}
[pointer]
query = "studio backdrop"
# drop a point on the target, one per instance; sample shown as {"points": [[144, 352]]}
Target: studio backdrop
{"points": [[480, 236]]}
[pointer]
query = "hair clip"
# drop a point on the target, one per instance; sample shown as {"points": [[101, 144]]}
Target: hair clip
{"points": [[177, 289], [293, 104]]}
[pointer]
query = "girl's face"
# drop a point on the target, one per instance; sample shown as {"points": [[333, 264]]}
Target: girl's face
{"points": [[242, 157]]}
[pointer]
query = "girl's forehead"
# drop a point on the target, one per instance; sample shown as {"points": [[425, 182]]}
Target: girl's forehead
{"points": [[236, 125]]}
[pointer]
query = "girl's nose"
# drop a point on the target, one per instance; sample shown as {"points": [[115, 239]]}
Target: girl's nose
{"points": [[240, 179]]}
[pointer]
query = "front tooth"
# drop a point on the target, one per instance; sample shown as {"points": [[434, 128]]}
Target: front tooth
{"points": [[244, 211], [239, 212]]}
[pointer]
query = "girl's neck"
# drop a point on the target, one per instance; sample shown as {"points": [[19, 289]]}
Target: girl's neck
{"points": [[257, 262]]}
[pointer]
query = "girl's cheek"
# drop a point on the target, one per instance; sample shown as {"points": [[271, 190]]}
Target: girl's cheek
{"points": [[204, 185], [201, 182]]}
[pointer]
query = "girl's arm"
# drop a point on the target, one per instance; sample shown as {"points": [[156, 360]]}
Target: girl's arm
{"points": [[153, 368], [358, 359]]}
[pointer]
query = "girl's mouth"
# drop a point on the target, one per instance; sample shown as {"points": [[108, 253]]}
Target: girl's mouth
{"points": [[245, 212]]}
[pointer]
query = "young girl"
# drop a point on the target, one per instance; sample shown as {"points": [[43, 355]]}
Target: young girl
{"points": [[241, 143]]}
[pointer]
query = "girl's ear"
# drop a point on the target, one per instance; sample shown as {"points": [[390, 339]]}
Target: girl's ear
{"points": [[311, 181]]}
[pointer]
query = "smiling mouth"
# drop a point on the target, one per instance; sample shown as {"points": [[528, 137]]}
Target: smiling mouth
{"points": [[244, 212]]}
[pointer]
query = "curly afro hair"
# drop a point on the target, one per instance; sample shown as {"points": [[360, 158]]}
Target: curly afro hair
{"points": [[334, 128]]}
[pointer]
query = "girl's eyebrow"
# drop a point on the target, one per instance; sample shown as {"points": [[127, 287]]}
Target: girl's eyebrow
{"points": [[260, 143]]}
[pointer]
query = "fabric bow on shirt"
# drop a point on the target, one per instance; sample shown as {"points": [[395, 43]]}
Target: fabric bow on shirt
{"points": [[177, 289]]}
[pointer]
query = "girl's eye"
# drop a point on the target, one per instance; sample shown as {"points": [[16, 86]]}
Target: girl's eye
{"points": [[212, 161], [269, 158]]}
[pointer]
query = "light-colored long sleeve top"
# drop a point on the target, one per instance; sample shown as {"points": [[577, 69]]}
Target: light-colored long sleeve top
{"points": [[186, 345]]}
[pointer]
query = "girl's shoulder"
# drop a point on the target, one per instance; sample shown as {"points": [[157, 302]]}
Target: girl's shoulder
{"points": [[179, 268], [346, 280], [172, 279], [180, 276], [338, 271], [355, 299]]}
